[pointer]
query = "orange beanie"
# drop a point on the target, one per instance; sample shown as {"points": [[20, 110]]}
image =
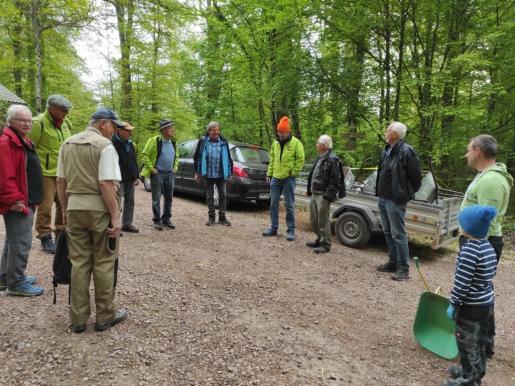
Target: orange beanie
{"points": [[284, 125]]}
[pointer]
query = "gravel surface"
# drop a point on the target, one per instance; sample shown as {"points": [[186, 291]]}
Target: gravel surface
{"points": [[225, 306]]}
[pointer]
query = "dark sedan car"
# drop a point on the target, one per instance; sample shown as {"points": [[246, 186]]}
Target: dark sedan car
{"points": [[248, 180]]}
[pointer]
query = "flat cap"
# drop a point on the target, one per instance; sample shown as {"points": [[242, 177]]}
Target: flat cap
{"points": [[165, 123], [58, 101], [105, 113]]}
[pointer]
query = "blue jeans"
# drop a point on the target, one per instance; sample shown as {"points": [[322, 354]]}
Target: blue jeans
{"points": [[392, 221], [284, 186], [162, 183]]}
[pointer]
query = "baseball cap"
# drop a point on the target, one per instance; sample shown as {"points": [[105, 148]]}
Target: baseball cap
{"points": [[105, 113]]}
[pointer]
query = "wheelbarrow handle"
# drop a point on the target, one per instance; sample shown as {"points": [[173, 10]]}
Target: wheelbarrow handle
{"points": [[420, 273]]}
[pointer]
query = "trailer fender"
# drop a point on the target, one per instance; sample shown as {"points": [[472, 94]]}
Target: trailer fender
{"points": [[372, 219]]}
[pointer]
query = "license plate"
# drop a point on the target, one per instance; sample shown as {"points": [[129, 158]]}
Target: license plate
{"points": [[264, 196]]}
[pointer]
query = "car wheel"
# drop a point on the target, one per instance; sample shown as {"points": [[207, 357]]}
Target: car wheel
{"points": [[352, 229]]}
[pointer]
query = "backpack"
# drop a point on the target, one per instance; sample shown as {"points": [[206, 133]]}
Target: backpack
{"points": [[62, 266]]}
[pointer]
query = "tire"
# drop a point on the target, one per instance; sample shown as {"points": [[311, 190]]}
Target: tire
{"points": [[352, 229]]}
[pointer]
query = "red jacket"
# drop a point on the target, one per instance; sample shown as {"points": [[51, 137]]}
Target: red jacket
{"points": [[13, 175]]}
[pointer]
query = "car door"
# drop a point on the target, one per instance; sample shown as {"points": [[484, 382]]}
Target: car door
{"points": [[186, 168]]}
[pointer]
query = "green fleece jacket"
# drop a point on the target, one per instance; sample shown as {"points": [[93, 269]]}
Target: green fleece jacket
{"points": [[151, 152], [491, 187], [287, 163], [47, 139]]}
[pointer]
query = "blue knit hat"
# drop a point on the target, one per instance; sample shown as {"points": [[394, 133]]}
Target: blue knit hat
{"points": [[476, 219]]}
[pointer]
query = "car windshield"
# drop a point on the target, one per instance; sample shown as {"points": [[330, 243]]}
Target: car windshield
{"points": [[248, 154]]}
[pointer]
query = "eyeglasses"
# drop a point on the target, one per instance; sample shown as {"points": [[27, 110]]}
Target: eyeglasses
{"points": [[23, 120]]}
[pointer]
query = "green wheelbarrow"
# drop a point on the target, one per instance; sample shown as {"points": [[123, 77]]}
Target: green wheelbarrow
{"points": [[433, 330]]}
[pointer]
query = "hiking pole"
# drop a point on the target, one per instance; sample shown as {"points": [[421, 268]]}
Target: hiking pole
{"points": [[420, 274]]}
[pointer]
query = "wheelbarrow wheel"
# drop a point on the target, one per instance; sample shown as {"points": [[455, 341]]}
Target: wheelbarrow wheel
{"points": [[352, 229]]}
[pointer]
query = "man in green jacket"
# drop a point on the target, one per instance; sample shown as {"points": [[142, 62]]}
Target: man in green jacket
{"points": [[490, 187], [286, 162], [49, 130], [160, 165]]}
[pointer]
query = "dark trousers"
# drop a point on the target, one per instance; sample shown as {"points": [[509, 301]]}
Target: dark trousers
{"points": [[497, 244], [471, 337], [162, 184], [221, 186], [127, 190]]}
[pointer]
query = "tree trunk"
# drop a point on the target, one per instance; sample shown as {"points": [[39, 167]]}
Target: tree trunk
{"points": [[387, 59], [124, 17], [398, 76]]}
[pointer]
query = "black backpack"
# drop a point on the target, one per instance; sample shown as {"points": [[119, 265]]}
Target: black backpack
{"points": [[62, 266]]}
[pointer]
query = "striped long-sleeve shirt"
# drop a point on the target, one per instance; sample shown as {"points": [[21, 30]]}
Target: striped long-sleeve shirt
{"points": [[475, 270]]}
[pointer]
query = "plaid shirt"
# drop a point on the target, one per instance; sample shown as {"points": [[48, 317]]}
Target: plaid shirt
{"points": [[214, 156]]}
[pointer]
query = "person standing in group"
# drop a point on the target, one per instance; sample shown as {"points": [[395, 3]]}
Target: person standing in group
{"points": [[88, 176], [21, 190], [398, 179], [49, 130], [129, 169], [286, 162], [491, 187], [326, 183], [213, 163], [472, 295], [160, 165]]}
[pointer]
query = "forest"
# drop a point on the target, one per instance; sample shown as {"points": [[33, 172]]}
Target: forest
{"points": [[344, 68]]}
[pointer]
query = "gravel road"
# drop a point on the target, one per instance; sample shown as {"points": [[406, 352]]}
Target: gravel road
{"points": [[225, 306]]}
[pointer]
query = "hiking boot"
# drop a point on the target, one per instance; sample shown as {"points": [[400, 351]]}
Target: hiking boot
{"points": [[270, 232], [168, 224], [119, 317], [158, 226], [25, 289], [401, 274], [387, 267], [313, 244], [290, 236], [454, 371], [210, 222], [28, 279], [321, 249], [130, 229], [48, 244], [78, 328], [224, 221]]}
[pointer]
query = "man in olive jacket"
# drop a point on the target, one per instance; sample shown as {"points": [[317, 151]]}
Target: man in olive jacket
{"points": [[326, 183], [398, 179], [286, 162], [49, 130]]}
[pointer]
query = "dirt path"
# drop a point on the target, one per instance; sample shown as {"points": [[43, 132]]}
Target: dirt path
{"points": [[224, 306]]}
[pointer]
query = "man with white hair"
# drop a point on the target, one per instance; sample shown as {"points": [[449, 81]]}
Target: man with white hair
{"points": [[21, 190], [326, 183], [398, 179]]}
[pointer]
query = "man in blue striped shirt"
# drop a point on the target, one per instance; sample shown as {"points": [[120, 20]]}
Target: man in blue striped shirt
{"points": [[472, 295]]}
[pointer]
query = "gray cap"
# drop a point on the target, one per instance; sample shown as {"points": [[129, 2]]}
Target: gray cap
{"points": [[59, 101]]}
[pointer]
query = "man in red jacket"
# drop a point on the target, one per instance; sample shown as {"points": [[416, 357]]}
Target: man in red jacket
{"points": [[21, 190]]}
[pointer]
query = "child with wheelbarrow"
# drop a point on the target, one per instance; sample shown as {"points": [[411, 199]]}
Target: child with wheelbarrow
{"points": [[472, 295]]}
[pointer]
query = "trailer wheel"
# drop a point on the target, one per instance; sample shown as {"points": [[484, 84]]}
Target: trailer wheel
{"points": [[352, 229]]}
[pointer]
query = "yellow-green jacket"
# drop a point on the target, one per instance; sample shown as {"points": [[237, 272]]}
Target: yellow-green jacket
{"points": [[47, 139], [288, 162], [151, 153]]}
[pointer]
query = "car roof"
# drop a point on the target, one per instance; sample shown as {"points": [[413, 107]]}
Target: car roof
{"points": [[232, 144]]}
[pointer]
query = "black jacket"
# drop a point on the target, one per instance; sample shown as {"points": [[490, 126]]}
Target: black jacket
{"points": [[127, 160], [331, 177], [406, 175]]}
